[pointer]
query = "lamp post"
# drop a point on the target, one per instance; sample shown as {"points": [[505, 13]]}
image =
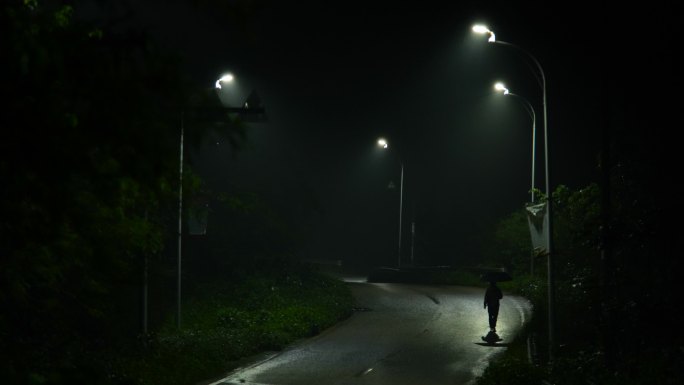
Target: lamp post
{"points": [[384, 145], [226, 78], [541, 79], [180, 224], [530, 110]]}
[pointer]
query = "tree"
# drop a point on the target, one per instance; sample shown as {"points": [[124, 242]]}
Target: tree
{"points": [[89, 164], [509, 245]]}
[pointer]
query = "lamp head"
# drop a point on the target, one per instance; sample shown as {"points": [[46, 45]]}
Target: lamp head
{"points": [[382, 143], [226, 78], [482, 29], [501, 88]]}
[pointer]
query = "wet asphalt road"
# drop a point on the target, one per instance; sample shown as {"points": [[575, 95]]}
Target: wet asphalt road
{"points": [[405, 334]]}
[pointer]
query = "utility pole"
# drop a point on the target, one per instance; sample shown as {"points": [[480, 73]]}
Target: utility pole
{"points": [[180, 227]]}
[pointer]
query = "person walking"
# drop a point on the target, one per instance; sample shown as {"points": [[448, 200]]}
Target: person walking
{"points": [[491, 303]]}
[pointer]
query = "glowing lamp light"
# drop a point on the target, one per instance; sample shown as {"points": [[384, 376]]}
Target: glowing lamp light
{"points": [[482, 29], [500, 87], [479, 28], [382, 143], [227, 78]]}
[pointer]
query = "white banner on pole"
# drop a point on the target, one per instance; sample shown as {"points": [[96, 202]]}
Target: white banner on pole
{"points": [[538, 221], [197, 219]]}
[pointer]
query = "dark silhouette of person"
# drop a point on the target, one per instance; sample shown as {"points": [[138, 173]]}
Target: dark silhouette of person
{"points": [[491, 303]]}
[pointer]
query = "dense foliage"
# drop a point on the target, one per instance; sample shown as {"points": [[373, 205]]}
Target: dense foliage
{"points": [[230, 320], [85, 173], [606, 305], [90, 167]]}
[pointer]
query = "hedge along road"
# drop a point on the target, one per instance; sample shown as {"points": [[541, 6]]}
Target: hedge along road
{"points": [[400, 334]]}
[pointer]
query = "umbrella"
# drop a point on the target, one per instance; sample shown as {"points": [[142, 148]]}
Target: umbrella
{"points": [[496, 276]]}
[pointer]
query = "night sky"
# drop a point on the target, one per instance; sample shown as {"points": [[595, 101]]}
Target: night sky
{"points": [[335, 76]]}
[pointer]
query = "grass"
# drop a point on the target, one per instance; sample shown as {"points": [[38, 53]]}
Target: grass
{"points": [[226, 323]]}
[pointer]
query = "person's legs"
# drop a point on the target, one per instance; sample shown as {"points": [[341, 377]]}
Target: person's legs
{"points": [[493, 315]]}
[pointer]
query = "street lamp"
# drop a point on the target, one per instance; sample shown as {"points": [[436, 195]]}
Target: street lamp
{"points": [[530, 110], [481, 29], [541, 79], [382, 143], [225, 78]]}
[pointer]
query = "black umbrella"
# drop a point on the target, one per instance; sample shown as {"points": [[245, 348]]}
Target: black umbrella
{"points": [[496, 276]]}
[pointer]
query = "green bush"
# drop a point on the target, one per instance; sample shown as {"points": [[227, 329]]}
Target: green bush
{"points": [[224, 323], [511, 370]]}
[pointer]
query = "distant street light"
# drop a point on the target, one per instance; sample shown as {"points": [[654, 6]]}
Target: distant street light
{"points": [[226, 78], [481, 29], [541, 79], [530, 110], [501, 87], [383, 144]]}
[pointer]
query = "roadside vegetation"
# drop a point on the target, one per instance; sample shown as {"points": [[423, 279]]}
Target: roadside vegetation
{"points": [[611, 326], [227, 322]]}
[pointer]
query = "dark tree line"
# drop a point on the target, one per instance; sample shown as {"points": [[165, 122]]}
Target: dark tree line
{"points": [[89, 170]]}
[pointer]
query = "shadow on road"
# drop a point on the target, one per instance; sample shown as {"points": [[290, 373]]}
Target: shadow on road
{"points": [[494, 345]]}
